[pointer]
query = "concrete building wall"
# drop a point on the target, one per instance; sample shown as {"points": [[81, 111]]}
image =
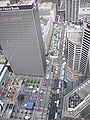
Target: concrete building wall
{"points": [[21, 40]]}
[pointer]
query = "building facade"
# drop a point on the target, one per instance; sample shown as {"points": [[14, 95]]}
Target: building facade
{"points": [[21, 38], [75, 10], [85, 46], [74, 36], [72, 10], [78, 50]]}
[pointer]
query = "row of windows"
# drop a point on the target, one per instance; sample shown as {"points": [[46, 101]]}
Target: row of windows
{"points": [[71, 47], [87, 31], [71, 58], [71, 43], [82, 63], [85, 51], [70, 55], [86, 41], [86, 36], [84, 56], [82, 71], [82, 67], [71, 50], [85, 44], [85, 48]]}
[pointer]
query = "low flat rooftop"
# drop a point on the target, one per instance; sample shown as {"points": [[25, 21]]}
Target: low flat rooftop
{"points": [[21, 5], [74, 34], [21, 2], [77, 100], [45, 5]]}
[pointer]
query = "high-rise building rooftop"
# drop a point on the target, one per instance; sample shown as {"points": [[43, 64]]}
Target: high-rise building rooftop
{"points": [[77, 100]]}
